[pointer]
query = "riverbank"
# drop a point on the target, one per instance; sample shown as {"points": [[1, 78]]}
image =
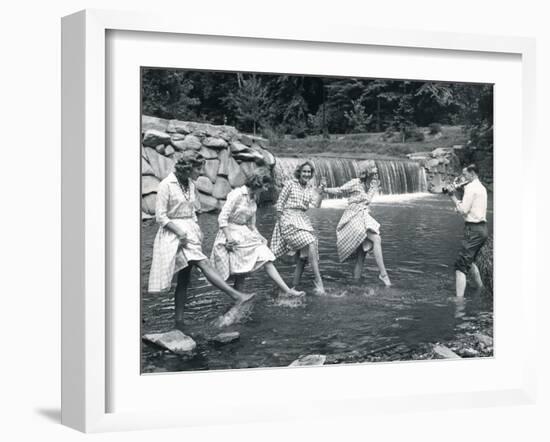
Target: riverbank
{"points": [[366, 145]]}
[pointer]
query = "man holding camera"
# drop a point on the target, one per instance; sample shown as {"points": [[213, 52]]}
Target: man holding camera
{"points": [[473, 208]]}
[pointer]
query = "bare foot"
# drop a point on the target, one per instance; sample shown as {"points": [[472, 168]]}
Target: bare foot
{"points": [[385, 279], [319, 289], [292, 293]]}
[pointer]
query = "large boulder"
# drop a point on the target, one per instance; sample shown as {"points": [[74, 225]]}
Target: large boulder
{"points": [[208, 154], [190, 142], [208, 203], [204, 185], [237, 146], [303, 361], [214, 143], [248, 167], [221, 188], [174, 341], [146, 168], [223, 156], [155, 123], [153, 138], [162, 166], [149, 184], [148, 203], [235, 175], [211, 169]]}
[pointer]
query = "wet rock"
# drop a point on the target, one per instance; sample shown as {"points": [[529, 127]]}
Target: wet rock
{"points": [[484, 339], [303, 361], [153, 138], [181, 127], [226, 338], [160, 149], [445, 352], [223, 156], [468, 352], [174, 341]]}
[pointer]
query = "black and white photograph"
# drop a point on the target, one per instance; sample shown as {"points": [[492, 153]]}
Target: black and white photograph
{"points": [[293, 219]]}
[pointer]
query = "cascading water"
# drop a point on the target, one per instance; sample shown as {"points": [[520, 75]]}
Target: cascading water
{"points": [[396, 176]]}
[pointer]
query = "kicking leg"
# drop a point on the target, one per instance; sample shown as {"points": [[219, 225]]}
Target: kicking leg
{"points": [[377, 250], [298, 270], [217, 281]]}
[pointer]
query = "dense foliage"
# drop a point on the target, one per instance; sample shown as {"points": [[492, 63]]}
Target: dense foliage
{"points": [[278, 105]]}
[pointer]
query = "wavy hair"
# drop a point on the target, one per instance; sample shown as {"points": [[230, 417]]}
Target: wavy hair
{"points": [[298, 169], [259, 178]]}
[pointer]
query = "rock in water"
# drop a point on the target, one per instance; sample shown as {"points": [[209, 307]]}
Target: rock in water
{"points": [[226, 338], [445, 352], [175, 341], [303, 361]]}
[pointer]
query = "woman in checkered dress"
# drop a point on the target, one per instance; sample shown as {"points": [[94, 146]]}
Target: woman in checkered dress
{"points": [[239, 248], [293, 233], [178, 244], [358, 232]]}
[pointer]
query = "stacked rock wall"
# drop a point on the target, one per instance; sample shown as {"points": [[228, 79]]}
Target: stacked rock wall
{"points": [[230, 157], [442, 166]]}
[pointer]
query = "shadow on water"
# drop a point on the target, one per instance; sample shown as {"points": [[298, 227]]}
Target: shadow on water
{"points": [[420, 241]]}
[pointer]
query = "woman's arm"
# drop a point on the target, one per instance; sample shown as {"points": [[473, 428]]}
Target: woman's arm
{"points": [[281, 201], [225, 213], [161, 211], [340, 191]]}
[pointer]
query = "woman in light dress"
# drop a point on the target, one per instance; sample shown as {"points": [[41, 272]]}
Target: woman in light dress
{"points": [[239, 248], [178, 243], [293, 233], [358, 232]]}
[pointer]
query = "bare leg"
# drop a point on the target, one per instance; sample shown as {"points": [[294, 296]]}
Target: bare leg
{"points": [[239, 282], [180, 297], [474, 272], [314, 260], [217, 281], [298, 270], [460, 284], [359, 262], [377, 250], [273, 273]]}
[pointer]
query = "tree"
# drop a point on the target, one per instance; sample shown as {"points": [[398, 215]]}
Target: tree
{"points": [[167, 94], [357, 118], [250, 101]]}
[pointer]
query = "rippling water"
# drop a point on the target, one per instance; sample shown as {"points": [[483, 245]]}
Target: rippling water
{"points": [[421, 236]]}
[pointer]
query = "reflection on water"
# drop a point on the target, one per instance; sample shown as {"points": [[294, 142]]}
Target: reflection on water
{"points": [[420, 237]]}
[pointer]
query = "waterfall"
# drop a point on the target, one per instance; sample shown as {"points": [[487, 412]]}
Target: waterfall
{"points": [[396, 176]]}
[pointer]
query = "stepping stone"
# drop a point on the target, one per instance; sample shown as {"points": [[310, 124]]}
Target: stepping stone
{"points": [[303, 361], [174, 341], [445, 352], [226, 338]]}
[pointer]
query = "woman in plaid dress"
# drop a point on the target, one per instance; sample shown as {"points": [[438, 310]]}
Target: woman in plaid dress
{"points": [[358, 232], [177, 247], [293, 233], [239, 248]]}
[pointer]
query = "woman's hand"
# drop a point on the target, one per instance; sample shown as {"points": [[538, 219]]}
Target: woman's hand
{"points": [[230, 243], [182, 236]]}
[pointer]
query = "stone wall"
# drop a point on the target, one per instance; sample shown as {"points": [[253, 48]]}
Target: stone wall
{"points": [[230, 157], [442, 165]]}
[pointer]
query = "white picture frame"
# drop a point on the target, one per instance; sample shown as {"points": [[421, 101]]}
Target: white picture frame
{"points": [[86, 315]]}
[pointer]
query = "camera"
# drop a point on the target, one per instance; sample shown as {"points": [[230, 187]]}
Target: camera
{"points": [[456, 184]]}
